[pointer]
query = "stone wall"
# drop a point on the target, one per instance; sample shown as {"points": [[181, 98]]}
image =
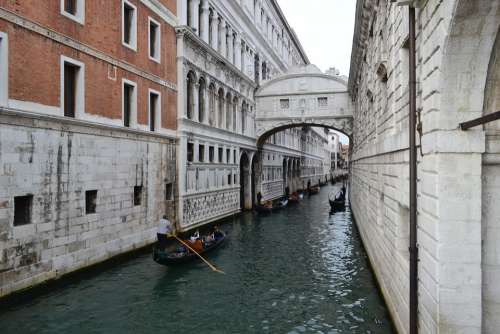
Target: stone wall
{"points": [[457, 183], [56, 161]]}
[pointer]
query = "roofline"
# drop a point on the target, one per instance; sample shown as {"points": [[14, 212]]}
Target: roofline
{"points": [[295, 39]]}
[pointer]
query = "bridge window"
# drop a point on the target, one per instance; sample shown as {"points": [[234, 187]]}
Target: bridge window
{"points": [[285, 104], [322, 102]]}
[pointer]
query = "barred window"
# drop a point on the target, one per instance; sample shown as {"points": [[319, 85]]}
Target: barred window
{"points": [[285, 104], [322, 102]]}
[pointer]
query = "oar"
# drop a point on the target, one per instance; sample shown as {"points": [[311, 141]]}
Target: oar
{"points": [[201, 257]]}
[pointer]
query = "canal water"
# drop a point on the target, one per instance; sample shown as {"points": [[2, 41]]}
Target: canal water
{"points": [[301, 270]]}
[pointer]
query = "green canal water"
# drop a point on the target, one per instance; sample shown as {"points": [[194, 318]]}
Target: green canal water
{"points": [[301, 270]]}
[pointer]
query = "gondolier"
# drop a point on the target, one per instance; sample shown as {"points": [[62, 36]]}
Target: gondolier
{"points": [[165, 230]]}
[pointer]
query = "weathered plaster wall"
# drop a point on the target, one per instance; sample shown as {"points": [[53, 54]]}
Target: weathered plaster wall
{"points": [[457, 191], [56, 161]]}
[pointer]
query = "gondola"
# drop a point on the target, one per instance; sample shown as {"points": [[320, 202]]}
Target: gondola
{"points": [[294, 198], [314, 190], [263, 208], [337, 203], [166, 258], [282, 203]]}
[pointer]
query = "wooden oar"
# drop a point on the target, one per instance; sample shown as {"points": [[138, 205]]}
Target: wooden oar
{"points": [[201, 257]]}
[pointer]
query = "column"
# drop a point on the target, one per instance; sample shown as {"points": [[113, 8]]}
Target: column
{"points": [[204, 22], [230, 45], [215, 30], [206, 106], [243, 56], [196, 101], [223, 32], [237, 53], [194, 18]]}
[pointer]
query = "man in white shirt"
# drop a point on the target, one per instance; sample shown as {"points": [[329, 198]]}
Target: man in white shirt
{"points": [[165, 229]]}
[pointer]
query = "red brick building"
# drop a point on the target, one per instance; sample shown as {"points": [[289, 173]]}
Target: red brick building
{"points": [[41, 37], [88, 102]]}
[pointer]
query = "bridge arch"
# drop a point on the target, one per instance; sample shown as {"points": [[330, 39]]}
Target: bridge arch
{"points": [[304, 96]]}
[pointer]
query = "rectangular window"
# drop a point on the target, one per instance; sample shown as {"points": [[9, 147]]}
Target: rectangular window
{"points": [[70, 73], [228, 155], [221, 152], [154, 40], [4, 66], [129, 25], [234, 157], [229, 178], [322, 102], [22, 210], [129, 103], [74, 9], [72, 87], [154, 110], [211, 153], [137, 195], [169, 192], [90, 201], [284, 103], [190, 152], [201, 153]]}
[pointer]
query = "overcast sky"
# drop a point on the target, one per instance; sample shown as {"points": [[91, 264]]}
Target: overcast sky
{"points": [[325, 29]]}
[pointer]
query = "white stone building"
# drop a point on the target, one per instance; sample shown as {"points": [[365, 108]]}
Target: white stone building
{"points": [[226, 50], [458, 171]]}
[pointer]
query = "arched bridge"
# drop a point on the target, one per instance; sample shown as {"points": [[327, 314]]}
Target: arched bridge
{"points": [[304, 96]]}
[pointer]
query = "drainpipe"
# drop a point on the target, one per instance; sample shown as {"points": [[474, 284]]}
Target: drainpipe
{"points": [[413, 249]]}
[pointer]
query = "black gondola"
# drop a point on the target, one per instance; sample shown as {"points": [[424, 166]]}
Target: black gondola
{"points": [[337, 202], [166, 258]]}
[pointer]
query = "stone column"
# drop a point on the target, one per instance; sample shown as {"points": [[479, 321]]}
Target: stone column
{"points": [[215, 30], [243, 56], [230, 45], [194, 19], [223, 33], [206, 106], [196, 101], [204, 21], [237, 53]]}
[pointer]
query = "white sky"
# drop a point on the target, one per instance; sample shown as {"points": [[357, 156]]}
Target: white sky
{"points": [[325, 29]]}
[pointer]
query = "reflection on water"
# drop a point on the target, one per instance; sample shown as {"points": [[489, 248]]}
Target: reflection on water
{"points": [[297, 271]]}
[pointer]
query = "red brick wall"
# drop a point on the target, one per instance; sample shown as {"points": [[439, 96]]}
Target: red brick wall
{"points": [[34, 60]]}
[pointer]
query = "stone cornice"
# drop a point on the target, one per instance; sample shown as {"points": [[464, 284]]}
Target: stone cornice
{"points": [[58, 123]]}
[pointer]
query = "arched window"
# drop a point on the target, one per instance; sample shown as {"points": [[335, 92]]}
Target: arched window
{"points": [[201, 104], [221, 108], [211, 110], [229, 111], [190, 91]]}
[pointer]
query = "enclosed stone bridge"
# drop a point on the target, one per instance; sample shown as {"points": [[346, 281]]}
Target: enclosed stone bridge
{"points": [[304, 96]]}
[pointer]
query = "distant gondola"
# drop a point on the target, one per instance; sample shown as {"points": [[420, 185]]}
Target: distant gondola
{"points": [[314, 190], [166, 258], [337, 202]]}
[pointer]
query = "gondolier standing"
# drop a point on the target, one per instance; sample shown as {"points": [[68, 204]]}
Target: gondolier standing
{"points": [[165, 230]]}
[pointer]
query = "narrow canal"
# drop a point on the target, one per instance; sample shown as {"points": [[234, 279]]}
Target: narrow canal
{"points": [[297, 271]]}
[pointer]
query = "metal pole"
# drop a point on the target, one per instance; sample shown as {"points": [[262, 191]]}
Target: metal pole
{"points": [[413, 178]]}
